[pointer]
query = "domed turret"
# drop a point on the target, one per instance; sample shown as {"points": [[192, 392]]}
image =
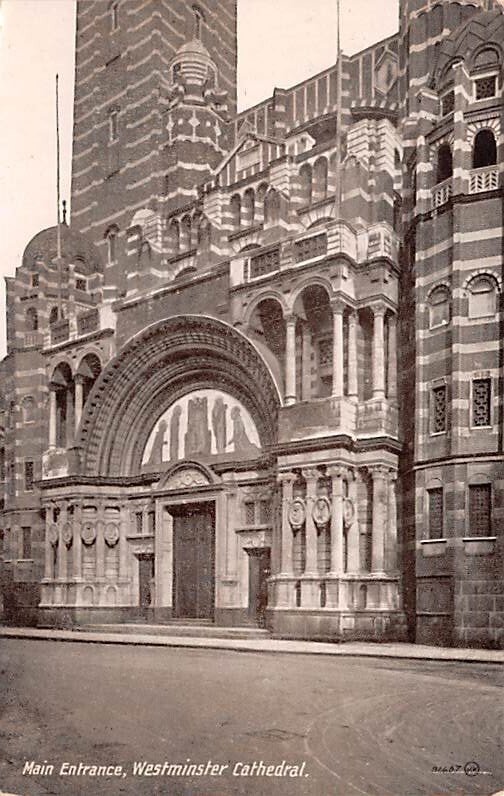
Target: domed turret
{"points": [[75, 247], [193, 65]]}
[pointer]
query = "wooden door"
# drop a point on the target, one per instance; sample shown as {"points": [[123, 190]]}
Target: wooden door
{"points": [[145, 576], [194, 561]]}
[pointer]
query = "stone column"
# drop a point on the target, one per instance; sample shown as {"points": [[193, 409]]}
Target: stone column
{"points": [[378, 352], [100, 543], [306, 374], [123, 543], [353, 552], [77, 542], [391, 546], [79, 395], [352, 356], [380, 506], [48, 551], [337, 474], [231, 541], [286, 480], [392, 357], [61, 545], [310, 475], [52, 417], [290, 359], [70, 421], [338, 308]]}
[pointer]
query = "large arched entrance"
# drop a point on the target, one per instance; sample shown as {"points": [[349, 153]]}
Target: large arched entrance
{"points": [[176, 484]]}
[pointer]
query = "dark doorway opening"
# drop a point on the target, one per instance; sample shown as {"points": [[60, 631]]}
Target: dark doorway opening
{"points": [[145, 582], [259, 572], [193, 560]]}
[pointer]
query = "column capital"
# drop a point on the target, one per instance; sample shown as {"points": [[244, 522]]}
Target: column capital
{"points": [[379, 471], [310, 473], [338, 305], [79, 378], [337, 470], [379, 309], [353, 316], [290, 319], [286, 478]]}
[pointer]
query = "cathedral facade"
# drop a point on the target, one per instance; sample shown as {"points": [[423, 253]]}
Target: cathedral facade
{"points": [[261, 381]]}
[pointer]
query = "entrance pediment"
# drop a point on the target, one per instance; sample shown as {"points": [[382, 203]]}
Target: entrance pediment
{"points": [[187, 475]]}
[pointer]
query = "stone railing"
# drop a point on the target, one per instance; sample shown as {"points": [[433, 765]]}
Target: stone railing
{"points": [[33, 339], [484, 179], [442, 192]]}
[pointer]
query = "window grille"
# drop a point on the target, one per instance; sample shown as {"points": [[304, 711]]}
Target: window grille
{"points": [[448, 103], [485, 87], [265, 512], [139, 522], [265, 263], [80, 284], [28, 476], [311, 247], [35, 280], [481, 404], [480, 499], [249, 513], [435, 513], [439, 409]]}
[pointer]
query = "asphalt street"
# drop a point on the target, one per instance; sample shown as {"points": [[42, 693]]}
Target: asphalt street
{"points": [[320, 726]]}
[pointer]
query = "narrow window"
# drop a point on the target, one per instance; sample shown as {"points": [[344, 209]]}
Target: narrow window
{"points": [[113, 126], [480, 502], [435, 513], [447, 103], [114, 16], [439, 307], [81, 284], [139, 522], [111, 246], [28, 476], [250, 513], [152, 522], [444, 163], [2, 464], [26, 542], [31, 319], [35, 280], [438, 410], [481, 402]]}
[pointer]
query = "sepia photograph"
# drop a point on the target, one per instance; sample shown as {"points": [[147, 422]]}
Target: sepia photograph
{"points": [[252, 397]]}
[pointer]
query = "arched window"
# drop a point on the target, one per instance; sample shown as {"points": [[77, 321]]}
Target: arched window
{"points": [[185, 234], [53, 316], [111, 238], [484, 149], [248, 208], [320, 180], [444, 163], [439, 307], [305, 178], [174, 238], [28, 409], [272, 207], [482, 297], [236, 211], [31, 319]]}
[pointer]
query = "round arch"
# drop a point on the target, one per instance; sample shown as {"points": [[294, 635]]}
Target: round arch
{"points": [[310, 281], [268, 294], [156, 367]]}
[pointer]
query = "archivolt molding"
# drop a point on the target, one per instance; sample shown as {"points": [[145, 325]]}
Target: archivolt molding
{"points": [[169, 359], [473, 128]]}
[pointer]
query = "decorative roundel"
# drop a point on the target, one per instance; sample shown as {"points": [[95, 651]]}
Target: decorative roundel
{"points": [[67, 533], [297, 513], [111, 534], [53, 534], [88, 533], [321, 511], [348, 511]]}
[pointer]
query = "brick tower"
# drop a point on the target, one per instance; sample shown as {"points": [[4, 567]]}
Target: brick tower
{"points": [[125, 56]]}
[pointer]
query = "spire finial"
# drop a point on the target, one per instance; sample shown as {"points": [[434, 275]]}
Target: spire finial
{"points": [[64, 204]]}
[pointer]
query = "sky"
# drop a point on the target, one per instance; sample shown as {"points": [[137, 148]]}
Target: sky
{"points": [[280, 43]]}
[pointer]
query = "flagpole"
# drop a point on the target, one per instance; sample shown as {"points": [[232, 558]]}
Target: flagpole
{"points": [[58, 218], [339, 93]]}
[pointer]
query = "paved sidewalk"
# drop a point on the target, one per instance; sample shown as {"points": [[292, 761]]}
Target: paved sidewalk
{"points": [[269, 645]]}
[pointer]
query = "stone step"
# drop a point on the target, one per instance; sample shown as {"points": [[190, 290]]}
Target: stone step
{"points": [[176, 628]]}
